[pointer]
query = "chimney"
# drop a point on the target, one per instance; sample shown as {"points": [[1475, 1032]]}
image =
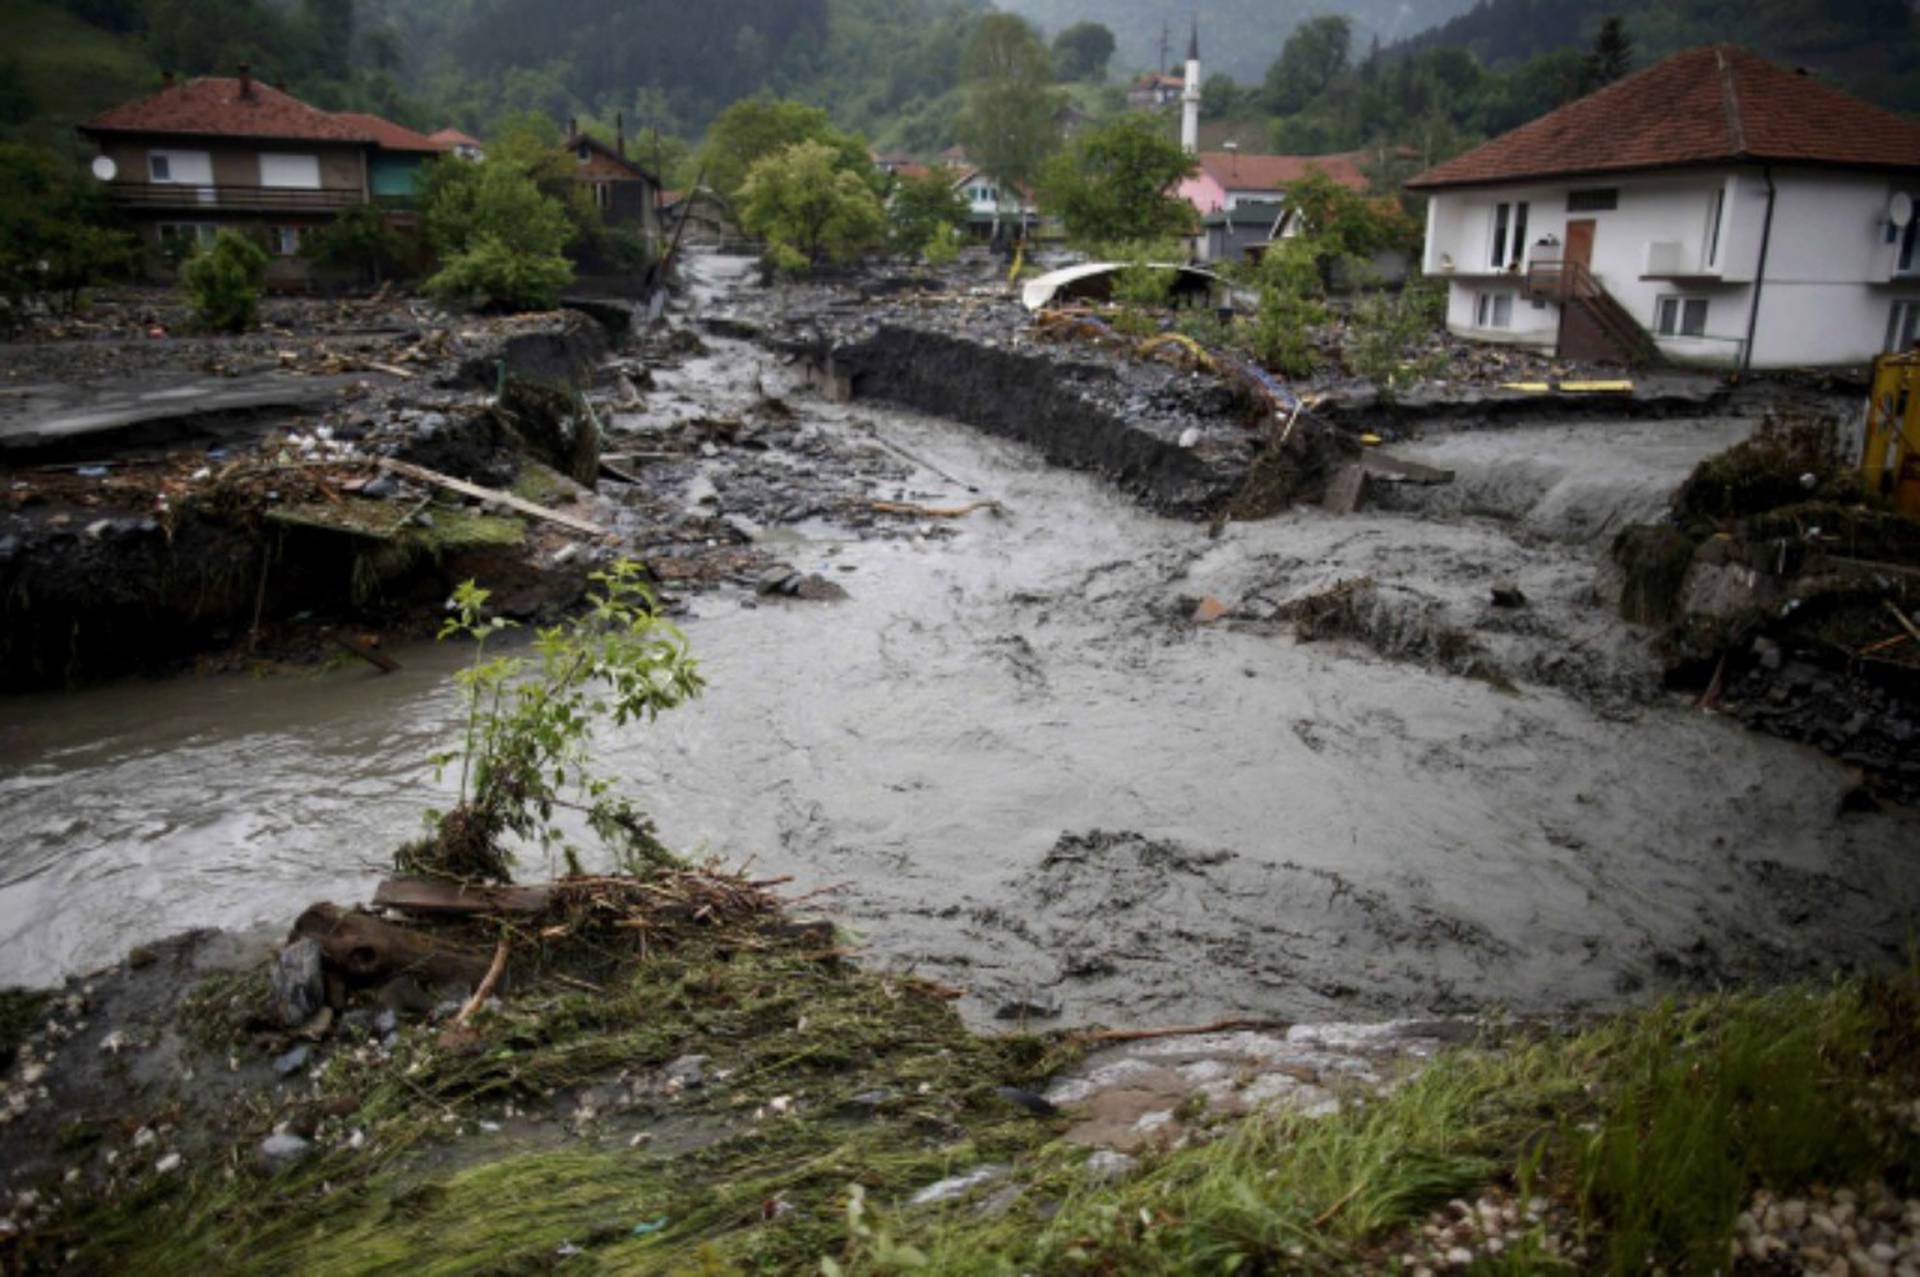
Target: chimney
{"points": [[620, 134], [573, 126], [246, 80]]}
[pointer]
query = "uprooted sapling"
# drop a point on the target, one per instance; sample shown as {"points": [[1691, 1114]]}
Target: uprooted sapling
{"points": [[530, 720]]}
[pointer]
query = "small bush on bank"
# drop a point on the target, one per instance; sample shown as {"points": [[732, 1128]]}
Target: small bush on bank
{"points": [[224, 281]]}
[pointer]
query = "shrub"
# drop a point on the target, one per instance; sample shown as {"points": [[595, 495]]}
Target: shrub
{"points": [[359, 241], [224, 280], [1383, 335], [530, 724], [503, 240], [807, 208]]}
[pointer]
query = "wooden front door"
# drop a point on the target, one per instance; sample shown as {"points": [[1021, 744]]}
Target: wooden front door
{"points": [[1580, 243]]}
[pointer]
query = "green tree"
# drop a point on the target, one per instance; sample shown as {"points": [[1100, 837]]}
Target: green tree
{"points": [[224, 280], [1611, 56], [1315, 55], [1082, 52], [924, 210], [754, 128], [1337, 224], [53, 243], [1115, 183], [806, 207], [359, 241], [500, 239], [1008, 126], [1222, 97]]}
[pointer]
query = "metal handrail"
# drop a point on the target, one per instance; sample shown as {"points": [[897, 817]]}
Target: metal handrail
{"points": [[270, 198]]}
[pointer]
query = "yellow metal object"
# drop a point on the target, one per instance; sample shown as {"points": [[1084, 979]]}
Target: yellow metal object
{"points": [[1890, 447], [1194, 349], [1370, 439], [1571, 387], [1019, 260]]}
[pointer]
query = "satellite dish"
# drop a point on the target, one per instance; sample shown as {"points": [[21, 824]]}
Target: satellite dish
{"points": [[104, 168], [1900, 209]]}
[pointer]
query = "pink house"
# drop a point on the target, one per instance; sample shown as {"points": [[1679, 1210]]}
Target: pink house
{"points": [[1228, 179]]}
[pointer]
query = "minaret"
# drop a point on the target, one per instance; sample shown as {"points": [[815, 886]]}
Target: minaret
{"points": [[1190, 96]]}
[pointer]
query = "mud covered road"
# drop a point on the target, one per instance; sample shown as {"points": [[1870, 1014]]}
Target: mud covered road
{"points": [[1031, 775]]}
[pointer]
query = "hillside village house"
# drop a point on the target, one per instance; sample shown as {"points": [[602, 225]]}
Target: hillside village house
{"points": [[1715, 208], [1154, 90], [626, 194], [463, 145], [1240, 197], [217, 152]]}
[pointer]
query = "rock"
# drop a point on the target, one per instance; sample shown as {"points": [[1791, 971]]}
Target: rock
{"points": [[405, 995], [381, 488], [818, 589], [774, 580], [1040, 1008], [299, 985], [385, 1022], [293, 1061], [1106, 1166], [280, 1151], [1190, 436], [956, 1186], [689, 1071], [1506, 594], [169, 1163]]}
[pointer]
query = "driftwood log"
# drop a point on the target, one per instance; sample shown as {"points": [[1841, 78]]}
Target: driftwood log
{"points": [[365, 950]]}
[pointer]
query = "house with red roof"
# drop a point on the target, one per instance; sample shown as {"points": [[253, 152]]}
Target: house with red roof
{"points": [[1240, 197], [231, 152], [396, 167], [1714, 208], [1154, 90], [626, 192], [464, 145]]}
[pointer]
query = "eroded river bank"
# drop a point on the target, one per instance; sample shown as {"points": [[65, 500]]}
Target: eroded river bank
{"points": [[1030, 775]]}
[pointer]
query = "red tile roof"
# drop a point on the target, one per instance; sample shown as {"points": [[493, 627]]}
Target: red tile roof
{"points": [[1712, 105], [1238, 171], [454, 137], [213, 106], [390, 136]]}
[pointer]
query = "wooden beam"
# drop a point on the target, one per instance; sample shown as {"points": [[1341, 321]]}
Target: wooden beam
{"points": [[437, 895], [408, 470]]}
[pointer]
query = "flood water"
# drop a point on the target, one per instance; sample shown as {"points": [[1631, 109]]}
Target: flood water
{"points": [[1029, 776]]}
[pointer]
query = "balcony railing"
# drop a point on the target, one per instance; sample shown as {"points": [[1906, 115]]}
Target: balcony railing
{"points": [[270, 199]]}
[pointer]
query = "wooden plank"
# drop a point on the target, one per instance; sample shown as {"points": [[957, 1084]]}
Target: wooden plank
{"points": [[437, 895], [407, 469], [1384, 465], [1344, 489]]}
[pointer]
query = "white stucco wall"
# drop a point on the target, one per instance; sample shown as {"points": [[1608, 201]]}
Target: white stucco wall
{"points": [[1826, 298]]}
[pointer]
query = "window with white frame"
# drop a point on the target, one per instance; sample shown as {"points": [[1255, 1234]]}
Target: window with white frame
{"points": [[1716, 210], [1509, 235], [1903, 326], [285, 240], [1681, 317], [1908, 261], [181, 168], [1494, 310], [184, 236], [290, 172]]}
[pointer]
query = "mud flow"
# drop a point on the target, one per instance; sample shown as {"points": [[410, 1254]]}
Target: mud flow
{"points": [[1027, 771]]}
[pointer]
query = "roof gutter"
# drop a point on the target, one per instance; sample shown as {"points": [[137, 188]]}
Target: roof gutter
{"points": [[1760, 273]]}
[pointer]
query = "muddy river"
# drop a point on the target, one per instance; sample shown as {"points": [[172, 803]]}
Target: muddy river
{"points": [[1026, 773]]}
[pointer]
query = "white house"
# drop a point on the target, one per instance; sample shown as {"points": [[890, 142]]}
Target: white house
{"points": [[992, 206], [1715, 207]]}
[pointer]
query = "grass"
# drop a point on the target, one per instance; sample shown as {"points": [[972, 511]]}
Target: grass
{"points": [[1649, 1129]]}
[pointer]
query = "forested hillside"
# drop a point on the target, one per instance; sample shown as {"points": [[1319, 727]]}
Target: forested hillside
{"points": [[1869, 47], [1237, 37]]}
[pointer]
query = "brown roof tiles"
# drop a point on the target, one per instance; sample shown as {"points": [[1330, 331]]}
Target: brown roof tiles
{"points": [[390, 136], [214, 106], [1238, 171], [1712, 105]]}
